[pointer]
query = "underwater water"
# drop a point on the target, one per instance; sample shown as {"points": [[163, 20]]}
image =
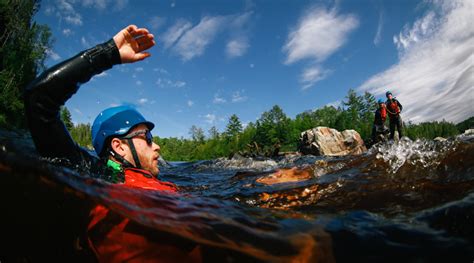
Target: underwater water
{"points": [[410, 201]]}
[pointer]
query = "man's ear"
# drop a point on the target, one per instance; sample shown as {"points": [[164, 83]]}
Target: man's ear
{"points": [[118, 146]]}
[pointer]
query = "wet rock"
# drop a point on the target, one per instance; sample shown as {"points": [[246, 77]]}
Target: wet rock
{"points": [[287, 176], [439, 139], [327, 141]]}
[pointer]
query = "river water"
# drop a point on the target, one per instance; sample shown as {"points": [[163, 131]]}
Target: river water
{"points": [[410, 201]]}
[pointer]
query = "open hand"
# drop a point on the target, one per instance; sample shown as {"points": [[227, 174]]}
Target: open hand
{"points": [[132, 41]]}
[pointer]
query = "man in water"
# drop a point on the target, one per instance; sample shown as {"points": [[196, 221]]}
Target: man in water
{"points": [[122, 140], [379, 121], [394, 108], [121, 135]]}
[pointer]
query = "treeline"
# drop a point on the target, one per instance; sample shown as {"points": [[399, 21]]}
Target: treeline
{"points": [[23, 46], [274, 131]]}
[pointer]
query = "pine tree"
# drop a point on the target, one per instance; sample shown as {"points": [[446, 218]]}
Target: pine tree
{"points": [[234, 127], [65, 115], [23, 46]]}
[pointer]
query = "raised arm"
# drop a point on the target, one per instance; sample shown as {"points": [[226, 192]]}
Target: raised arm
{"points": [[47, 93]]}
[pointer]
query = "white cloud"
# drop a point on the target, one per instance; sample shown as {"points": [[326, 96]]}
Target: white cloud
{"points": [[311, 75], [334, 104], [190, 41], [210, 118], [179, 84], [190, 103], [219, 100], [78, 111], [99, 4], [194, 41], [175, 32], [319, 34], [164, 83], [85, 43], [237, 47], [67, 32], [139, 69], [252, 65], [142, 101], [435, 74], [138, 82], [378, 34], [53, 55], [65, 10], [101, 75], [105, 4], [236, 97], [156, 22], [161, 70], [419, 31]]}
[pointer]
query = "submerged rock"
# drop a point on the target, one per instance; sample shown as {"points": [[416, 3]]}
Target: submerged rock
{"points": [[327, 141]]}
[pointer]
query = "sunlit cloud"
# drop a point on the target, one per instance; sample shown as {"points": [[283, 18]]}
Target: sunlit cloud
{"points": [[311, 75], [53, 55], [170, 37], [156, 22], [378, 34], [435, 74], [237, 97], [319, 33], [190, 41], [210, 118], [218, 100]]}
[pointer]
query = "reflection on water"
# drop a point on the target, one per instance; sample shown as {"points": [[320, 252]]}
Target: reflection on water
{"points": [[410, 201]]}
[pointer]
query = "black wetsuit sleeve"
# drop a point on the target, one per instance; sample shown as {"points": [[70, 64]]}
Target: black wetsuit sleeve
{"points": [[47, 93]]}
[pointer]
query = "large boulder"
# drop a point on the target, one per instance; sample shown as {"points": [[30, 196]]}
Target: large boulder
{"points": [[327, 141]]}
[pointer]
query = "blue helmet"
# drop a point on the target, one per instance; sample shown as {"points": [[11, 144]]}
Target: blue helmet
{"points": [[115, 121], [380, 101], [388, 93]]}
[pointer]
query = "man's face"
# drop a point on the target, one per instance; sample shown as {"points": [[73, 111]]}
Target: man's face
{"points": [[147, 153], [389, 96]]}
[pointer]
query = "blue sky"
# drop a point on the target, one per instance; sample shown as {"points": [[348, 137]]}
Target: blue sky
{"points": [[218, 58]]}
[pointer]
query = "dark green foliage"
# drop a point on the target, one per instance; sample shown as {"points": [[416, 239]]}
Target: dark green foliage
{"points": [[23, 46], [466, 125], [81, 133], [234, 127], [66, 118], [431, 130]]}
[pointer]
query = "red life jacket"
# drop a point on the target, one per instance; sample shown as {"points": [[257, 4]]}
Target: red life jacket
{"points": [[383, 114], [393, 109], [115, 238], [144, 179]]}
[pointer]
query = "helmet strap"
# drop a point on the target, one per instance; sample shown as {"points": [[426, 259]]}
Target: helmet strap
{"points": [[119, 158], [134, 154]]}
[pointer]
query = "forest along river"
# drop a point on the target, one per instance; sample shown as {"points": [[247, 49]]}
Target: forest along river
{"points": [[410, 200]]}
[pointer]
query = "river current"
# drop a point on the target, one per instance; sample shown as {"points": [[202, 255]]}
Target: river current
{"points": [[406, 201]]}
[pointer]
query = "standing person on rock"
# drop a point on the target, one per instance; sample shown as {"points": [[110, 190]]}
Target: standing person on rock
{"points": [[394, 108], [379, 121]]}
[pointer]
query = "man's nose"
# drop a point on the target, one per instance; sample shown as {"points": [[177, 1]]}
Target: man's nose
{"points": [[156, 147]]}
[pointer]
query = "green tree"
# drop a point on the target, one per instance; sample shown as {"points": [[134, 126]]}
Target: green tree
{"points": [[234, 127], [273, 127], [23, 46], [197, 134], [66, 118], [213, 133]]}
